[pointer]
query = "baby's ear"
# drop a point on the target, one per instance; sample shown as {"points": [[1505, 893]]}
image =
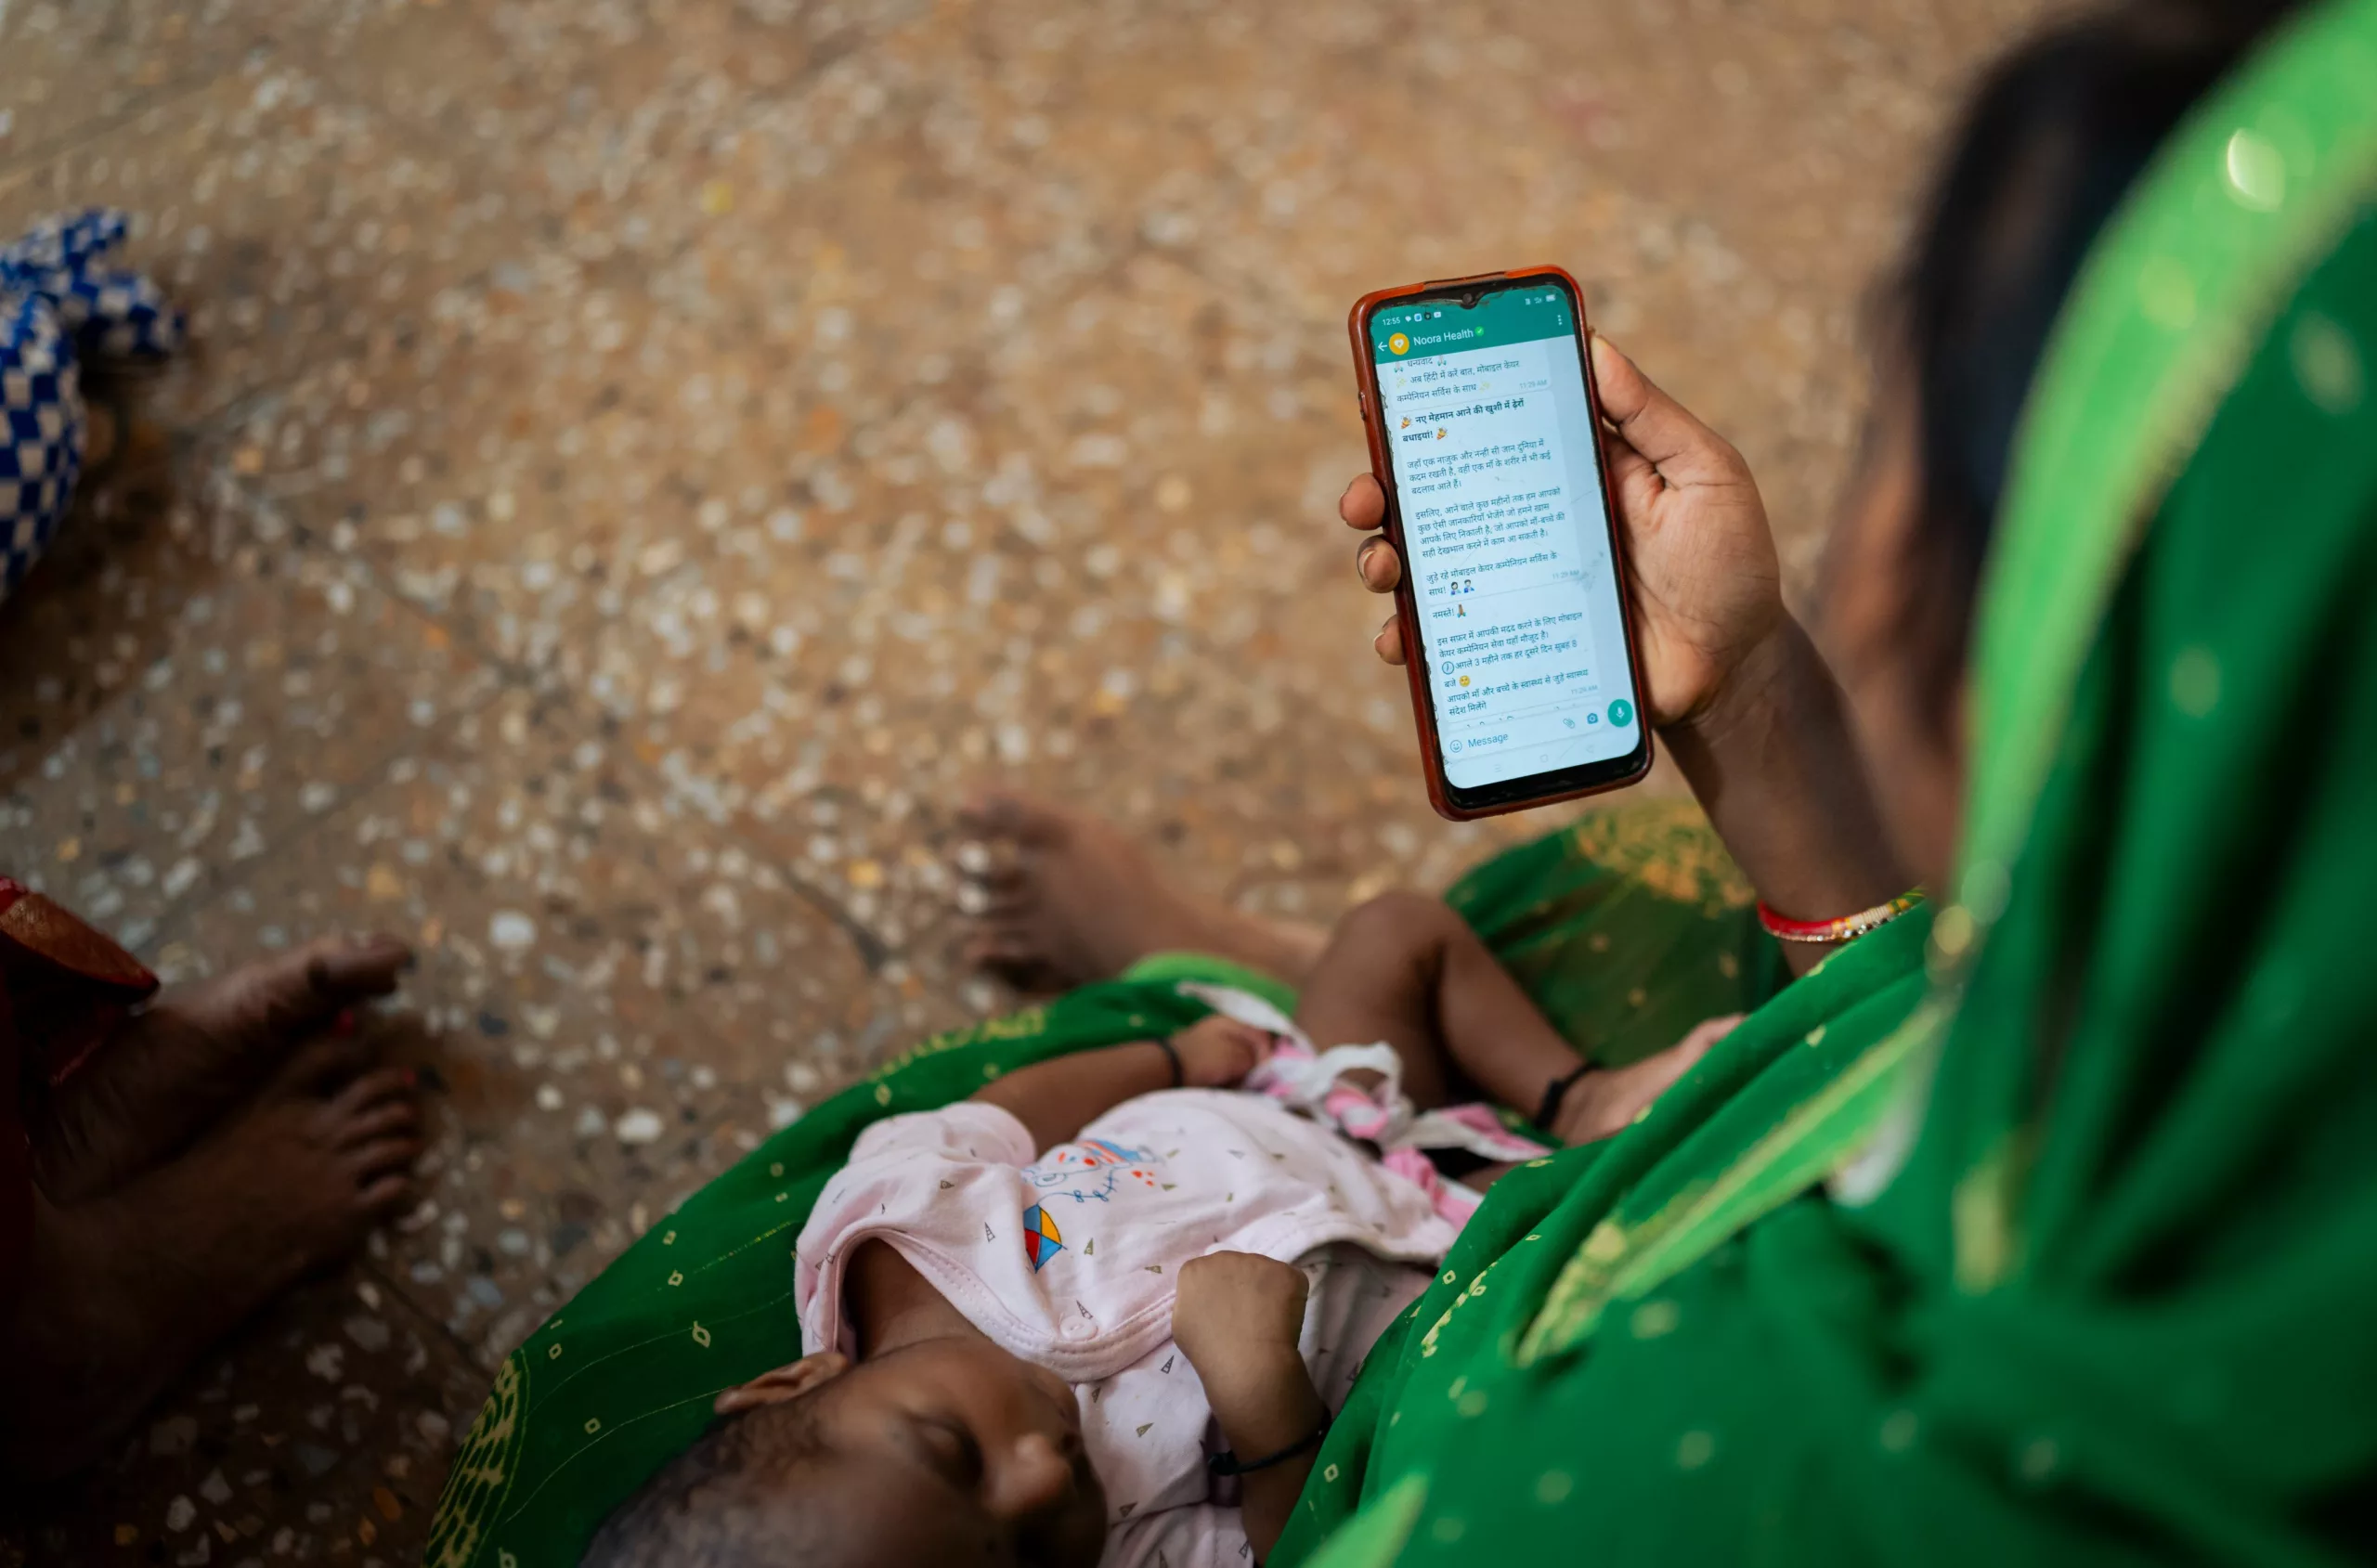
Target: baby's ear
{"points": [[785, 1383]]}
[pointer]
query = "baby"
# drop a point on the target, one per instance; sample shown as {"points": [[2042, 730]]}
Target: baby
{"points": [[1101, 1311]]}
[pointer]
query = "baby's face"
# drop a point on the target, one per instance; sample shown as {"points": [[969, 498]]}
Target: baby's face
{"points": [[953, 1451]]}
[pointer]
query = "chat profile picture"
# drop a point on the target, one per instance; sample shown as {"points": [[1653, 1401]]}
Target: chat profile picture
{"points": [[1398, 344]]}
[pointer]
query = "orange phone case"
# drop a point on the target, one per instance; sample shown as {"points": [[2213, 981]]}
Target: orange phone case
{"points": [[1407, 607]]}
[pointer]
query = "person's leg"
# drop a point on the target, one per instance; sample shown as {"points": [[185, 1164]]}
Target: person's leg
{"points": [[125, 1290], [1405, 969], [1059, 898], [170, 1073]]}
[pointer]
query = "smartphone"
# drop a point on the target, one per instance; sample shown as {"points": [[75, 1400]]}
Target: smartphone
{"points": [[1486, 432]]}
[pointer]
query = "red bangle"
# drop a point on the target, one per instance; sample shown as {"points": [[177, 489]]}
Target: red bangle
{"points": [[1841, 929]]}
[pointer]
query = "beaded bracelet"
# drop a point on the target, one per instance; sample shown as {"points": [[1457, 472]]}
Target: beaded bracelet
{"points": [[1840, 929]]}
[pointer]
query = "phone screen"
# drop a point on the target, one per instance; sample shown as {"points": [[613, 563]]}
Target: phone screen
{"points": [[1505, 536]]}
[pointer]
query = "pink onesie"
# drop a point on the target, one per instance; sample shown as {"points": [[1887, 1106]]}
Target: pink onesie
{"points": [[1068, 1258]]}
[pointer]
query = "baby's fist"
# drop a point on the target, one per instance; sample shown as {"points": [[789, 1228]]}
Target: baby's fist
{"points": [[1237, 1317], [1227, 1304], [1215, 1051]]}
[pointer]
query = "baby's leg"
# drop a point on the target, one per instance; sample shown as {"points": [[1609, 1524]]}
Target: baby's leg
{"points": [[1405, 969]]}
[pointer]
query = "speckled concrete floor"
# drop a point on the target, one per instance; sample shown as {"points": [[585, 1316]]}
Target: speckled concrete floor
{"points": [[639, 457]]}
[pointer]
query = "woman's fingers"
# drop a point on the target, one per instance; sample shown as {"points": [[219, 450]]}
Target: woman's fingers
{"points": [[1377, 564], [1657, 426], [1364, 504], [1628, 467]]}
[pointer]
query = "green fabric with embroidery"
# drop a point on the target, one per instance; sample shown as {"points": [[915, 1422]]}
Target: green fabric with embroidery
{"points": [[1459, 1376], [2092, 1277], [622, 1378]]}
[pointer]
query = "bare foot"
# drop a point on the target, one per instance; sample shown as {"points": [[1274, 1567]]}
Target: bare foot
{"points": [[1061, 898], [173, 1070], [125, 1289], [1606, 1101]]}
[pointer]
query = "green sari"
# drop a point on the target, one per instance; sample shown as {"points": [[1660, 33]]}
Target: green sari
{"points": [[2072, 1258], [1629, 927]]}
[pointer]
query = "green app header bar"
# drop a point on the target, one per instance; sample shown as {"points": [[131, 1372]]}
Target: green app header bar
{"points": [[1403, 332]]}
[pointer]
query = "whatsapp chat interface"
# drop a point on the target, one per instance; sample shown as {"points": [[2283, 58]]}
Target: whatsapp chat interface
{"points": [[1504, 534]]}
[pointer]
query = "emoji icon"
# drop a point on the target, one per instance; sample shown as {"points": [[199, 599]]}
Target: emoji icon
{"points": [[1398, 344], [1440, 432], [1465, 680], [1406, 424]]}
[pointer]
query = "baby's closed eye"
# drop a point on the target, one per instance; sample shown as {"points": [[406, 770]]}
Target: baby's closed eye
{"points": [[948, 1448]]}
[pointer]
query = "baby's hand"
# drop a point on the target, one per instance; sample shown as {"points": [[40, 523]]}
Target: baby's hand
{"points": [[1232, 1300], [1216, 1052], [1237, 1317]]}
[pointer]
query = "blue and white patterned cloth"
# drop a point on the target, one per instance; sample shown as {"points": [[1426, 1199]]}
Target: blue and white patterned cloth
{"points": [[59, 305]]}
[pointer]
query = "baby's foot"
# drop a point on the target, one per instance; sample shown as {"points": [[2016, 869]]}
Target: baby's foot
{"points": [[1060, 898], [165, 1076], [125, 1289], [1606, 1101]]}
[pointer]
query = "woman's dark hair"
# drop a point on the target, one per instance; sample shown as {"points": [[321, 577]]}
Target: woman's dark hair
{"points": [[2058, 130]]}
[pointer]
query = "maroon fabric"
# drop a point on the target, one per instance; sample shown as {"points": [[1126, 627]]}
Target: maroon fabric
{"points": [[63, 989], [16, 1182]]}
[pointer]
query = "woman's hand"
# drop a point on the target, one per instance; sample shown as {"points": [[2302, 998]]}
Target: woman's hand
{"points": [[1217, 1051], [1749, 711], [1700, 558]]}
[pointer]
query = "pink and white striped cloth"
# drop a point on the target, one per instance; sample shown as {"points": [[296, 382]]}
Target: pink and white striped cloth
{"points": [[1306, 1078]]}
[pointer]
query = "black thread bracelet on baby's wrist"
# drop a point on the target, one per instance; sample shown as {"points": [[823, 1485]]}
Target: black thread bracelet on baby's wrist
{"points": [[1228, 1463], [1172, 1055]]}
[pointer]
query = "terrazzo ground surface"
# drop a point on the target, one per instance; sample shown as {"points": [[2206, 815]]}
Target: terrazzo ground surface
{"points": [[639, 459]]}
